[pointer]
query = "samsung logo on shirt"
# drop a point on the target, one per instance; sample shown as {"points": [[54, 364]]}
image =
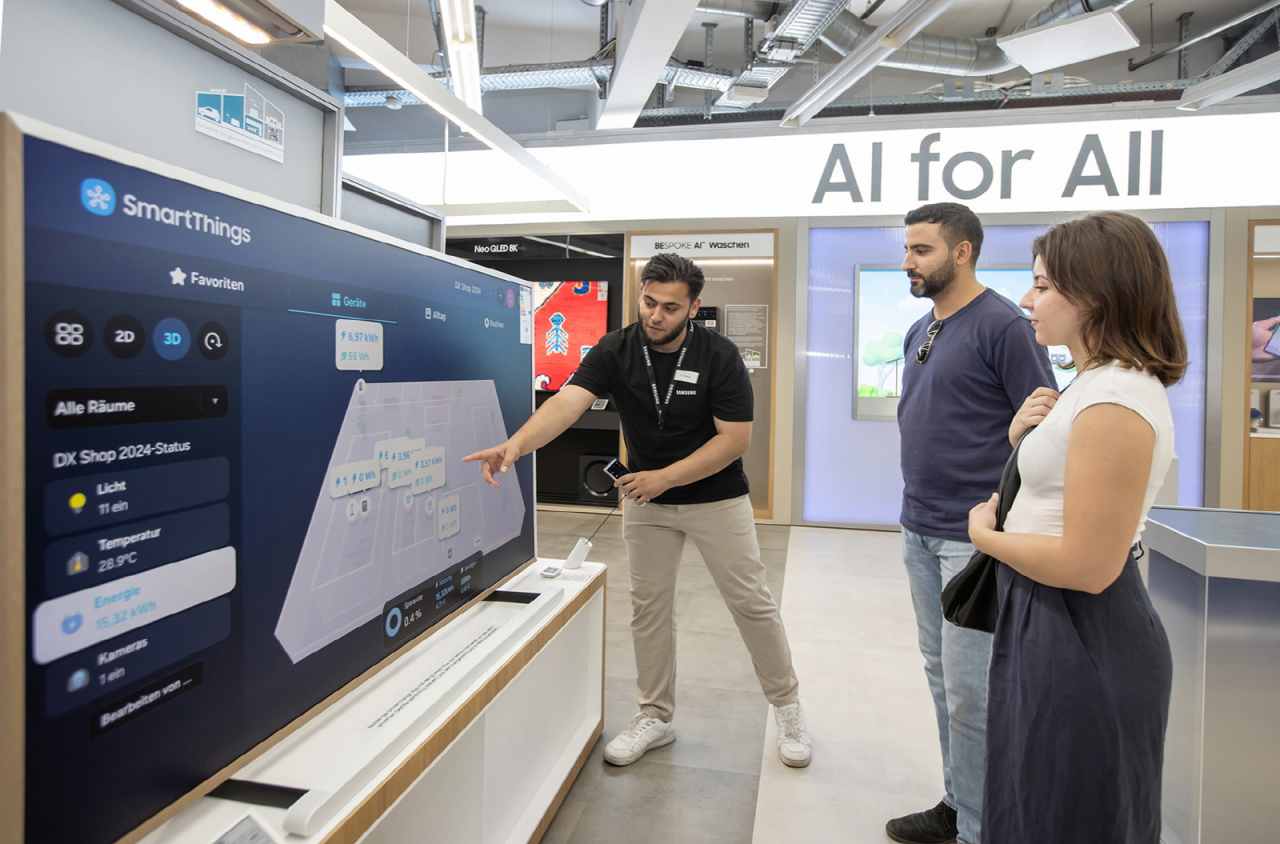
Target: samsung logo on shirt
{"points": [[686, 392]]}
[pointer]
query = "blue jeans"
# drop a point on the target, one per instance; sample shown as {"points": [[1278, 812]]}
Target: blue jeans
{"points": [[956, 662]]}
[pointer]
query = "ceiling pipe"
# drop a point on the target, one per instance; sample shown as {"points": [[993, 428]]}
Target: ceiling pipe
{"points": [[756, 10], [926, 52], [590, 73], [1060, 10]]}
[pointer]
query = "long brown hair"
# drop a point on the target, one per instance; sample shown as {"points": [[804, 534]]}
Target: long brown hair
{"points": [[1111, 266]]}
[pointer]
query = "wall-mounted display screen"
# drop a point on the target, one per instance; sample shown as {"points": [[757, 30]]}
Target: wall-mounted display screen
{"points": [[569, 317], [1265, 351], [885, 309], [244, 487]]}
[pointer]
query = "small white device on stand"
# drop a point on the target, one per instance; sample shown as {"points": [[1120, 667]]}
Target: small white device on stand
{"points": [[578, 554]]}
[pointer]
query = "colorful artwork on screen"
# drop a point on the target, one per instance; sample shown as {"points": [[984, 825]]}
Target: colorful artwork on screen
{"points": [[568, 318]]}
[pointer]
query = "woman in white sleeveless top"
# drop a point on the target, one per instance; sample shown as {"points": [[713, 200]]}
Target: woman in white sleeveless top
{"points": [[1080, 667]]}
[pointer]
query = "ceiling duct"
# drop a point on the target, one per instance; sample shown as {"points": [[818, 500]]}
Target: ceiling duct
{"points": [[758, 10], [803, 24], [1060, 10], [925, 52], [933, 53], [559, 75]]}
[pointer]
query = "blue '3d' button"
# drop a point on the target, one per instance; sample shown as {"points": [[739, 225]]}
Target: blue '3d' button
{"points": [[171, 338]]}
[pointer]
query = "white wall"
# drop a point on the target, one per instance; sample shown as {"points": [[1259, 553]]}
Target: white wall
{"points": [[96, 68]]}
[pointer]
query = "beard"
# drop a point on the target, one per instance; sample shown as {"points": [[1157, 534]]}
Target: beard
{"points": [[928, 286], [665, 338]]}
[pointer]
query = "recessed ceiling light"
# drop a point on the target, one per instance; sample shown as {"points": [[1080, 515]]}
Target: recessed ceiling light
{"points": [[227, 21]]}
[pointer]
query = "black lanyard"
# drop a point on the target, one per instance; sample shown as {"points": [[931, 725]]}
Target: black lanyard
{"points": [[653, 380]]}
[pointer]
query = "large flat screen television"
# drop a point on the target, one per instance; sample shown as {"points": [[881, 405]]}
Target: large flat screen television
{"points": [[237, 456]]}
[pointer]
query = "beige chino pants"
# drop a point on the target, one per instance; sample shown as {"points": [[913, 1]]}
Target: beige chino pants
{"points": [[725, 534]]}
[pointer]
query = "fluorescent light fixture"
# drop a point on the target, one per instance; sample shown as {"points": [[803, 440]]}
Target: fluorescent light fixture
{"points": [[457, 112], [458, 24], [906, 23], [347, 30], [227, 21], [1071, 41], [1231, 84]]}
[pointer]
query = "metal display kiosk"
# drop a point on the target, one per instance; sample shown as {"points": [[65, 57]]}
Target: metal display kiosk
{"points": [[1214, 577]]}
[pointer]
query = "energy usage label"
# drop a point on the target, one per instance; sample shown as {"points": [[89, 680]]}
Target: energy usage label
{"points": [[358, 344], [427, 603]]}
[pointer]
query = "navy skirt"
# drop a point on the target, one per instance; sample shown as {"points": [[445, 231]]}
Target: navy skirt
{"points": [[1076, 714]]}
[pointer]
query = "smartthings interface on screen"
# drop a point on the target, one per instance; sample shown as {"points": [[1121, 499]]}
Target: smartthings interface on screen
{"points": [[244, 434]]}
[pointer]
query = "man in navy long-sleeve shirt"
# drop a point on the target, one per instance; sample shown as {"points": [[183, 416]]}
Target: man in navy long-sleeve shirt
{"points": [[968, 366]]}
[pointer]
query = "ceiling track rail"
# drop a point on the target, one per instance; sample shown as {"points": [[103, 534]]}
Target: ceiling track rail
{"points": [[930, 103]]}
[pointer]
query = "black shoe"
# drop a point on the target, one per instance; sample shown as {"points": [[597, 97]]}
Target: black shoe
{"points": [[932, 826]]}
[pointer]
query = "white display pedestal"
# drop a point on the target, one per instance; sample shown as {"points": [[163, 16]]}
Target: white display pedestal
{"points": [[483, 753]]}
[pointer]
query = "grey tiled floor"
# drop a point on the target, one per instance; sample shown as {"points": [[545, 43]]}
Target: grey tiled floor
{"points": [[703, 787]]}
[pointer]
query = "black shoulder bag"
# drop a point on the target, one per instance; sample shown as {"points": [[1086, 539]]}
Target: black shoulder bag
{"points": [[970, 600]]}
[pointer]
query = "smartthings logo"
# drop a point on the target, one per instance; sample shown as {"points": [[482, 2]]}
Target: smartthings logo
{"points": [[99, 197]]}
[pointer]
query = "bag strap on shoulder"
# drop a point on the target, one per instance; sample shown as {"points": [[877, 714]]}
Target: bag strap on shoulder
{"points": [[1010, 482]]}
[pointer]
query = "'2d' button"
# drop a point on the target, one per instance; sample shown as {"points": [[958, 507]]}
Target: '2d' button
{"points": [[124, 336]]}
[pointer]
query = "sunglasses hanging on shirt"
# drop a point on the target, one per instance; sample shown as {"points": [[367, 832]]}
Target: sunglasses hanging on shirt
{"points": [[922, 353]]}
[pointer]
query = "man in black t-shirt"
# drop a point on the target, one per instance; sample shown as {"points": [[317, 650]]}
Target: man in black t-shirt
{"points": [[684, 399]]}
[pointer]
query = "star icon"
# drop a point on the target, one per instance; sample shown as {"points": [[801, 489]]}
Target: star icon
{"points": [[178, 276]]}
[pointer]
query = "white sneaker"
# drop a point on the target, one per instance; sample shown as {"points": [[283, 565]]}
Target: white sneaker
{"points": [[643, 733], [794, 747]]}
